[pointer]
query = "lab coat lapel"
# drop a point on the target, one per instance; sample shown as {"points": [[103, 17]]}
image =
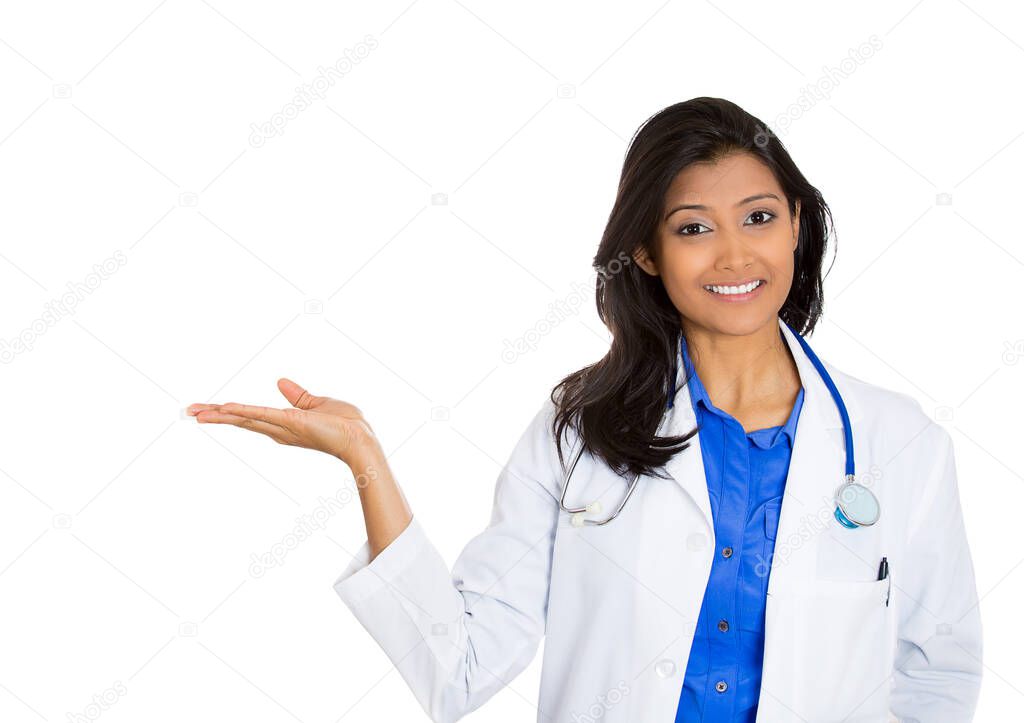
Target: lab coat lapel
{"points": [[816, 469], [687, 466], [816, 465]]}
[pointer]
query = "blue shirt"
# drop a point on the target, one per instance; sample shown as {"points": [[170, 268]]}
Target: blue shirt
{"points": [[746, 475]]}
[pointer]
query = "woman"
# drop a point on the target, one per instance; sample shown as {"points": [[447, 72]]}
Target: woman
{"points": [[730, 586]]}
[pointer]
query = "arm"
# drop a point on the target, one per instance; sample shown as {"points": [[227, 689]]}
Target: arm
{"points": [[458, 637], [938, 658]]}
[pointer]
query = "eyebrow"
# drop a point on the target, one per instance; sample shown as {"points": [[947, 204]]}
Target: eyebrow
{"points": [[701, 207]]}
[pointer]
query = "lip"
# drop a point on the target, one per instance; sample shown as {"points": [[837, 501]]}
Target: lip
{"points": [[733, 298], [735, 283]]}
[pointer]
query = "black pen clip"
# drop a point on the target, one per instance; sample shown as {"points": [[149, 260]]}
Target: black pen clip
{"points": [[883, 573]]}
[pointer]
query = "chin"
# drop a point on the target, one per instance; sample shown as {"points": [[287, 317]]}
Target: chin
{"points": [[740, 322]]}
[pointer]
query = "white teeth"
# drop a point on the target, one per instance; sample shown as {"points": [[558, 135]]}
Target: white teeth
{"points": [[735, 289]]}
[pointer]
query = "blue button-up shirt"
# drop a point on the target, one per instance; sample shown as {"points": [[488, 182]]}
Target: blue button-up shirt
{"points": [[746, 475]]}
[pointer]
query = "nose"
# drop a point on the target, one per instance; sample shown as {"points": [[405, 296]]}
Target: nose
{"points": [[734, 252]]}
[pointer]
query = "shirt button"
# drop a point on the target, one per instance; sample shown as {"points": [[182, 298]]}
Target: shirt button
{"points": [[721, 686], [665, 668], [727, 552], [723, 625]]}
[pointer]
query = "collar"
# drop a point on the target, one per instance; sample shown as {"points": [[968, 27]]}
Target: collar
{"points": [[816, 393], [699, 396], [816, 465]]}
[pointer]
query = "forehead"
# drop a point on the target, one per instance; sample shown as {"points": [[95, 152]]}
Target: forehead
{"points": [[724, 182]]}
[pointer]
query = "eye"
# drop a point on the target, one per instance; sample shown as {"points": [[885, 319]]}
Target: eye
{"points": [[683, 229], [762, 212], [689, 228]]}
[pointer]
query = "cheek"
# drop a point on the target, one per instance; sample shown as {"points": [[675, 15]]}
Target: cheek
{"points": [[685, 297], [682, 267], [782, 269], [681, 278]]}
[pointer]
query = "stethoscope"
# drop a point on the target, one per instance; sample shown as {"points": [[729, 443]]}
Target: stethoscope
{"points": [[856, 505]]}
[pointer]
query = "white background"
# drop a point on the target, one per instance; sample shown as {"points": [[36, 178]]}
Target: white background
{"points": [[127, 531]]}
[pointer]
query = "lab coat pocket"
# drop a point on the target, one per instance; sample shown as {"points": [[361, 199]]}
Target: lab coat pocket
{"points": [[841, 634]]}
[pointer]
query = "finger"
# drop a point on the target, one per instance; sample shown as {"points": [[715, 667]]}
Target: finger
{"points": [[271, 430], [269, 415], [194, 409], [296, 395]]}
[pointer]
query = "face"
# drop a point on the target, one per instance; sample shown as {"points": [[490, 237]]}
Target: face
{"points": [[726, 225]]}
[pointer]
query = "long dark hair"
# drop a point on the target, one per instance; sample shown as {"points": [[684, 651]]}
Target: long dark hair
{"points": [[616, 404]]}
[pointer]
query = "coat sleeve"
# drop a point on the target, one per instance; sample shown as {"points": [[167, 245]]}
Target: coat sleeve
{"points": [[938, 666], [459, 637]]}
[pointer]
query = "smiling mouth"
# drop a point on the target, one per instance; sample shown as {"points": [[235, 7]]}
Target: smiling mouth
{"points": [[735, 290]]}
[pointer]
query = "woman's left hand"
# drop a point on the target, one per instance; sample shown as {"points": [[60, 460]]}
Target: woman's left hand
{"points": [[320, 423]]}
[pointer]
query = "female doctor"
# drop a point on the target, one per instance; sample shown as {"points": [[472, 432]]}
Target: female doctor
{"points": [[748, 533]]}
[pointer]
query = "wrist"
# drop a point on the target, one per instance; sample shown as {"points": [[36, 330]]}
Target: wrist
{"points": [[362, 453]]}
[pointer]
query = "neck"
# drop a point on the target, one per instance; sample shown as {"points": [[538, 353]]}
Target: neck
{"points": [[744, 372]]}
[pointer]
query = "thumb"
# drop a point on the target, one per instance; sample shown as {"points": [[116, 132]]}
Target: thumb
{"points": [[295, 394]]}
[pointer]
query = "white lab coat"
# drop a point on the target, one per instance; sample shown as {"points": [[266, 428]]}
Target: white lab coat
{"points": [[617, 603]]}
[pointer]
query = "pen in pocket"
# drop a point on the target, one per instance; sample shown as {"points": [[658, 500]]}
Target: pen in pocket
{"points": [[883, 573]]}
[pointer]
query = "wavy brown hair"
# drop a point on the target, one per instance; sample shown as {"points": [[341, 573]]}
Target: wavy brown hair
{"points": [[616, 404]]}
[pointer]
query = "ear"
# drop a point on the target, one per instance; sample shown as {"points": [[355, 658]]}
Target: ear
{"points": [[796, 225], [644, 261]]}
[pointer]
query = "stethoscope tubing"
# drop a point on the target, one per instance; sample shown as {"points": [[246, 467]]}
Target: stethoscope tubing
{"points": [[578, 519]]}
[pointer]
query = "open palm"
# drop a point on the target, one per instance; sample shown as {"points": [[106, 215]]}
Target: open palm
{"points": [[321, 423]]}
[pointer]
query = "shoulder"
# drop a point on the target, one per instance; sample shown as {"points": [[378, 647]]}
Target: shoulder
{"points": [[895, 417], [535, 455], [875, 401]]}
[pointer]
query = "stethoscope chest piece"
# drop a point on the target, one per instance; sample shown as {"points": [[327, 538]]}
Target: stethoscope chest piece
{"points": [[856, 505]]}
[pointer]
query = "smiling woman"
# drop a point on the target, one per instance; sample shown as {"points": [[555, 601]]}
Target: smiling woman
{"points": [[725, 433]]}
